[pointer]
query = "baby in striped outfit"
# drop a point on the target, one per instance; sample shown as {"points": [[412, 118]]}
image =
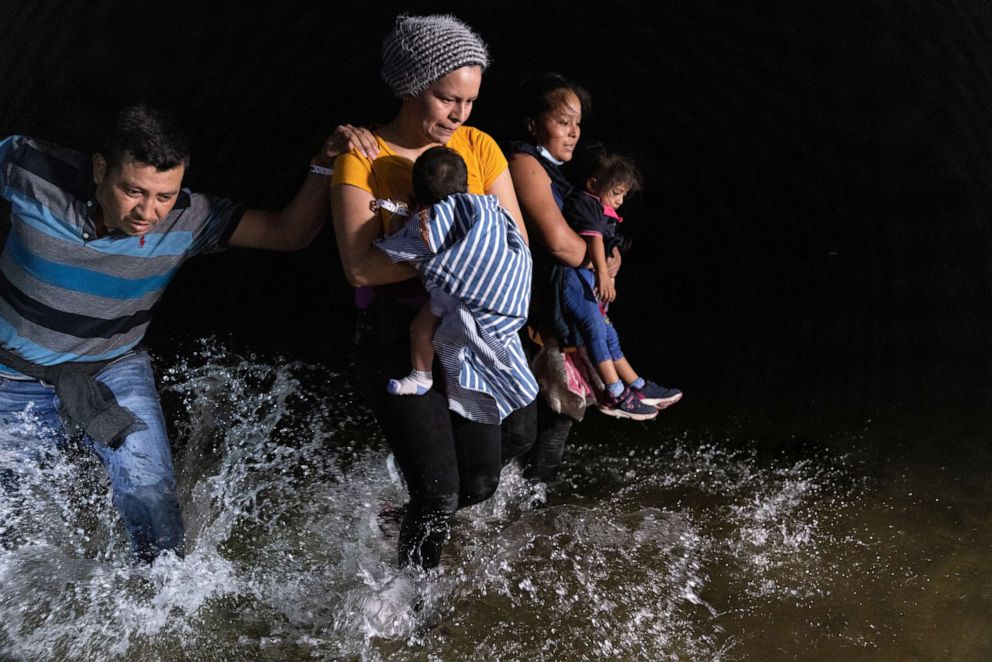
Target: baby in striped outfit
{"points": [[477, 271], [439, 174]]}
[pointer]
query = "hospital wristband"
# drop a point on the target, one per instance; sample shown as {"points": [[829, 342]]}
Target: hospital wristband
{"points": [[321, 170]]}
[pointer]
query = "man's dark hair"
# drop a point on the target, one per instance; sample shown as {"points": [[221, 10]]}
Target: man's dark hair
{"points": [[149, 136], [437, 173], [609, 165]]}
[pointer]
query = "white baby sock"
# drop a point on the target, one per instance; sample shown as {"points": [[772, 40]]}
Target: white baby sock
{"points": [[417, 382]]}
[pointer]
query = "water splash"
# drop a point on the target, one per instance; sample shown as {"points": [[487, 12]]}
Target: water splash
{"points": [[283, 485]]}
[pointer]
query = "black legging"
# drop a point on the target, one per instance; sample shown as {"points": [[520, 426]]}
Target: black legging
{"points": [[545, 458], [447, 461]]}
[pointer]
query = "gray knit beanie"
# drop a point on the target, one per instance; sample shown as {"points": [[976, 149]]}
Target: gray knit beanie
{"points": [[422, 49]]}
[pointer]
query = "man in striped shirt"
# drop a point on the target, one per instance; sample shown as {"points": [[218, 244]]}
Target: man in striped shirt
{"points": [[92, 245]]}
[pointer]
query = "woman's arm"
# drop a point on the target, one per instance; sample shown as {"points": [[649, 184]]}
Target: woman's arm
{"points": [[502, 188], [355, 228], [533, 187]]}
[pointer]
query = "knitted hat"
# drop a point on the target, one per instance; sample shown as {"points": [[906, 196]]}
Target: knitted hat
{"points": [[422, 49]]}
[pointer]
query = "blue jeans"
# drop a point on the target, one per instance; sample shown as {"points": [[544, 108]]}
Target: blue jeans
{"points": [[140, 470], [598, 335]]}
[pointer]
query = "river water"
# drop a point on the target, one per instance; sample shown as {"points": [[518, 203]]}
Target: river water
{"points": [[662, 542]]}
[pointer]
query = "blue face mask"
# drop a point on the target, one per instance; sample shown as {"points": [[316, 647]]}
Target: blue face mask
{"points": [[546, 154]]}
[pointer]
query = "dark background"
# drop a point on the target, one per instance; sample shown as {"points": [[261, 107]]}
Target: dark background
{"points": [[814, 236]]}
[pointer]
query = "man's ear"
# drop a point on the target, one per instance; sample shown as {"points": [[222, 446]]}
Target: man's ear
{"points": [[530, 128], [99, 169]]}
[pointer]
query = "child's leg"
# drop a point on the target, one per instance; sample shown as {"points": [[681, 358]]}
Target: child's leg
{"points": [[420, 379], [422, 339], [647, 391], [620, 369], [625, 371], [608, 373], [583, 311]]}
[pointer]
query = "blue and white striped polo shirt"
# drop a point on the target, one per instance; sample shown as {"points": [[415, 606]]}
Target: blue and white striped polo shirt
{"points": [[67, 296], [474, 253]]}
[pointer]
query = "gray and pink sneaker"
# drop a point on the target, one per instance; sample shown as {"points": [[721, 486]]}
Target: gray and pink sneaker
{"points": [[626, 405], [657, 396]]}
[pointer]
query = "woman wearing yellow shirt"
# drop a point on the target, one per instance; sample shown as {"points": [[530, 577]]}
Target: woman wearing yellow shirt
{"points": [[434, 64]]}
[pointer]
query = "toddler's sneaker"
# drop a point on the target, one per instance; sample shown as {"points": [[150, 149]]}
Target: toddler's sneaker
{"points": [[657, 396], [626, 405]]}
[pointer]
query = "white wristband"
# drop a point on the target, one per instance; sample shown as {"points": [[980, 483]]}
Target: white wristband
{"points": [[321, 170], [395, 208]]}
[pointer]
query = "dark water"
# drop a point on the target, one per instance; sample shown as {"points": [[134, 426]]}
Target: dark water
{"points": [[811, 265]]}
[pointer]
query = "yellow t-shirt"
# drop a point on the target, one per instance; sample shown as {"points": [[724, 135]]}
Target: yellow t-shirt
{"points": [[391, 177]]}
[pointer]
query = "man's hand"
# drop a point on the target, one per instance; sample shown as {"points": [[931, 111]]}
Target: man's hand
{"points": [[344, 139]]}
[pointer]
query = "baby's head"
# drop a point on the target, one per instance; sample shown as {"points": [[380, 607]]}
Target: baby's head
{"points": [[607, 174], [438, 173]]}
